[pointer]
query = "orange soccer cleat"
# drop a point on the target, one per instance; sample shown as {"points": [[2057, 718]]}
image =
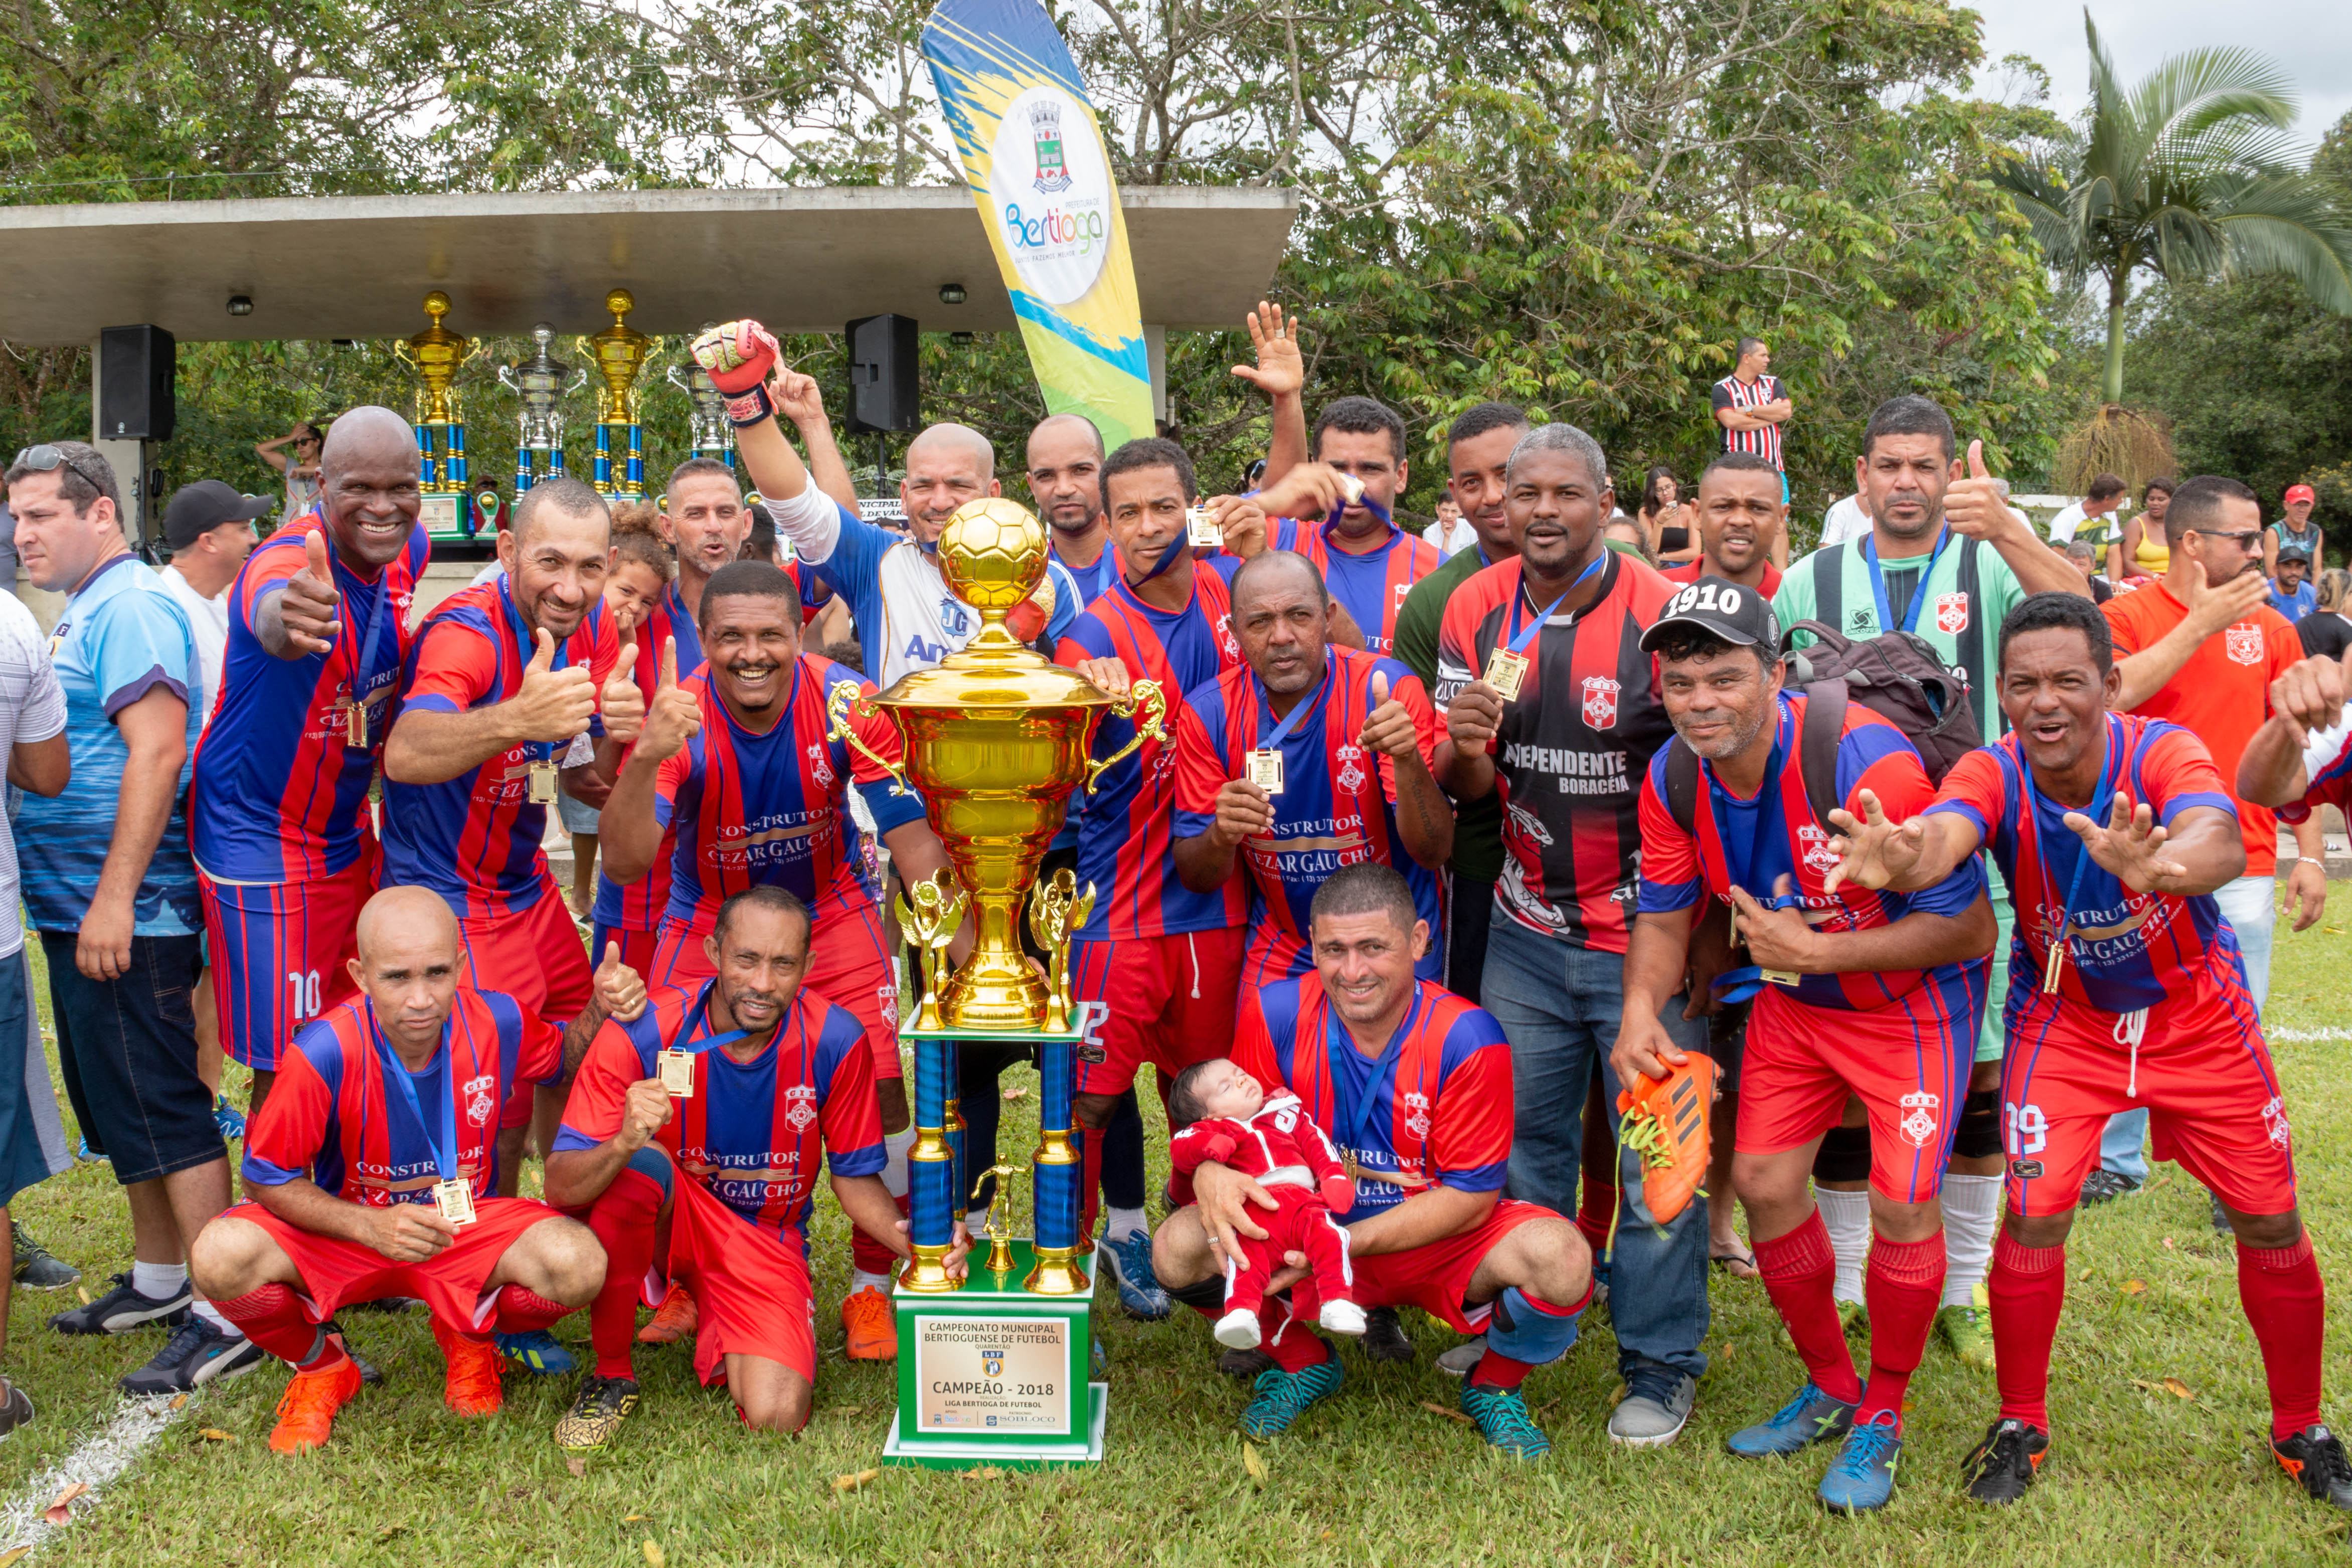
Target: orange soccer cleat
{"points": [[471, 1385], [306, 1411], [872, 1328], [672, 1320], [1665, 1120]]}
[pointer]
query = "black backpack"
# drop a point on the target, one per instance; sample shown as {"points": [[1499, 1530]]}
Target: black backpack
{"points": [[1896, 676]]}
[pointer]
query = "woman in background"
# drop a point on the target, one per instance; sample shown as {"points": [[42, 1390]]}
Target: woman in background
{"points": [[2144, 551], [299, 466], [1665, 521]]}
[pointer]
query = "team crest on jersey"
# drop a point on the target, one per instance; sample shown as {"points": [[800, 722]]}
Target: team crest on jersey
{"points": [[2245, 644], [802, 1098], [1813, 845], [888, 994], [1601, 702], [1417, 1121], [820, 768], [1951, 614], [1225, 637], [2274, 1124], [481, 1099], [1351, 778], [1918, 1123], [951, 615]]}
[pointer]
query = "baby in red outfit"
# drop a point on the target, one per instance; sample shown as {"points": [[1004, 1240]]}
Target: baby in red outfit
{"points": [[1275, 1141]]}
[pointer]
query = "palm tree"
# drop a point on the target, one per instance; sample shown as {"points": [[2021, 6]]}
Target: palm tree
{"points": [[2188, 175]]}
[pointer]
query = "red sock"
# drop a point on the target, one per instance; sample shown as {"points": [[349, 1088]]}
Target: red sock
{"points": [[871, 1255], [1902, 1287], [624, 1221], [1799, 1271], [2028, 1290], [527, 1312], [1295, 1346], [1496, 1370], [272, 1319], [2287, 1305]]}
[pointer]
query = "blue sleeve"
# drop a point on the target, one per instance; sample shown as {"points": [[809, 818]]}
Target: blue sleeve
{"points": [[1067, 601], [140, 643], [1224, 565], [568, 1138], [1954, 895], [891, 807]]}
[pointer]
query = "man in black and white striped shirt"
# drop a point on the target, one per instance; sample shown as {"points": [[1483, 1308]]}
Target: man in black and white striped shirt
{"points": [[1751, 406]]}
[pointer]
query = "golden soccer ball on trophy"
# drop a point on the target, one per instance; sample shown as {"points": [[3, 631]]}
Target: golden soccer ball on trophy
{"points": [[992, 553]]}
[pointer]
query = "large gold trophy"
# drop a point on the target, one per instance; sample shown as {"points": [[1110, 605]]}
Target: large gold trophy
{"points": [[436, 354], [621, 351], [996, 739]]}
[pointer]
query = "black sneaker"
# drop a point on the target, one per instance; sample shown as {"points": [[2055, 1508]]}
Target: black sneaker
{"points": [[16, 1409], [596, 1414], [36, 1268], [1998, 1469], [2103, 1185], [1244, 1364], [197, 1354], [123, 1309], [1384, 1336], [2314, 1457], [369, 1374]]}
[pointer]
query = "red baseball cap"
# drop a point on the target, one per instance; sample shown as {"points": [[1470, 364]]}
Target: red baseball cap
{"points": [[2300, 493]]}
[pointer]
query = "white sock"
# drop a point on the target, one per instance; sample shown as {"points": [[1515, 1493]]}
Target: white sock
{"points": [[894, 1162], [1971, 1209], [159, 1281], [212, 1314], [1846, 1217], [860, 1279], [1122, 1223]]}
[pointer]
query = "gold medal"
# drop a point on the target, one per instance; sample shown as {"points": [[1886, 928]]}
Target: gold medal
{"points": [[1505, 671], [2057, 962], [355, 725], [1265, 770], [1202, 530], [677, 1068], [455, 1199], [542, 783], [1780, 977]]}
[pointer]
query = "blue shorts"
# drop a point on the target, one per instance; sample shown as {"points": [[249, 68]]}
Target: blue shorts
{"points": [[128, 1050], [22, 1163]]}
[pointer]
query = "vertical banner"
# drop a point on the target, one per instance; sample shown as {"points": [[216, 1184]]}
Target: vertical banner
{"points": [[1034, 159]]}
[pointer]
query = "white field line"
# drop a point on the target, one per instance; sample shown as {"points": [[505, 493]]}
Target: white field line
{"points": [[105, 1455], [2306, 1036]]}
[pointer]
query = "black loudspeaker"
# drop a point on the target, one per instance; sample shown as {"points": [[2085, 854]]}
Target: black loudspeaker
{"points": [[135, 369], [883, 384]]}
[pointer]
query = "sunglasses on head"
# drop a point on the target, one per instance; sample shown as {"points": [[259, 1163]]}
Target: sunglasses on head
{"points": [[46, 458]]}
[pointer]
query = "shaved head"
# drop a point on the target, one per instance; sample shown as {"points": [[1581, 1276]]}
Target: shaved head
{"points": [[369, 470], [947, 466], [1262, 572], [408, 966], [1054, 425], [940, 441], [367, 436], [406, 915]]}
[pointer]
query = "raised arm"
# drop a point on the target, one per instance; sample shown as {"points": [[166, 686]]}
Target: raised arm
{"points": [[1875, 854], [2210, 609], [2307, 704], [427, 747], [1280, 373]]}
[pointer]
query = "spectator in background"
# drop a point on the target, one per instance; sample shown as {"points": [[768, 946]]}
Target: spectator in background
{"points": [[2326, 631], [2086, 561], [2291, 595], [300, 466], [2142, 552], [2294, 534], [1751, 406], [2092, 518], [1626, 537], [1846, 519], [1670, 540], [1451, 533]]}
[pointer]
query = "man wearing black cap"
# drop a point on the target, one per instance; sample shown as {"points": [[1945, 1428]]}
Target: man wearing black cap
{"points": [[1855, 994], [209, 529]]}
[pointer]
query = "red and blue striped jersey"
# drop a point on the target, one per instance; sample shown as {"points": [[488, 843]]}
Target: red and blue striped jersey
{"points": [[639, 905], [1124, 843], [1434, 1108], [2130, 950], [329, 1115], [1338, 804], [750, 1131], [747, 809], [1372, 585], [279, 795], [475, 839], [2331, 785], [1730, 849]]}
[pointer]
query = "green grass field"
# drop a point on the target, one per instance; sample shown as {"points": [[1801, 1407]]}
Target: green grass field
{"points": [[2139, 1476]]}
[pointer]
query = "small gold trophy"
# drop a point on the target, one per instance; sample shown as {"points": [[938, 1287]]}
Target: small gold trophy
{"points": [[930, 921], [1056, 909], [999, 1229]]}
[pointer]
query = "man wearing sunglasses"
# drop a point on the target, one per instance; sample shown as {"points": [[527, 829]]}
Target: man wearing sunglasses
{"points": [[1856, 994], [2200, 649], [110, 886]]}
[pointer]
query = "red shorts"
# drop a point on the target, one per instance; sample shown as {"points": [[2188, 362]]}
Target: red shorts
{"points": [[534, 956], [751, 1287], [1437, 1276], [2204, 1077], [1908, 1063], [279, 951], [451, 1282], [1167, 1000], [849, 966]]}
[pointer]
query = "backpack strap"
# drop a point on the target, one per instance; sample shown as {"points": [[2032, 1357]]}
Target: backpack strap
{"points": [[1817, 745], [1980, 637], [1829, 587], [1681, 786]]}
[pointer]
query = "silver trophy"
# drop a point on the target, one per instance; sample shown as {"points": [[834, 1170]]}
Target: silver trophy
{"points": [[542, 383], [714, 433]]}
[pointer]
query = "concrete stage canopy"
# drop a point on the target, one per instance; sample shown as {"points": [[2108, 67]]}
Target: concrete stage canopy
{"points": [[800, 259]]}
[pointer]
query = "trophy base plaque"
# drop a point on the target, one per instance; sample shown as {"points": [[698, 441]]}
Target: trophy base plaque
{"points": [[993, 1374], [441, 513]]}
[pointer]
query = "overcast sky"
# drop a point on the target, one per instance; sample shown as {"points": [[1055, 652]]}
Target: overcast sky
{"points": [[2312, 37]]}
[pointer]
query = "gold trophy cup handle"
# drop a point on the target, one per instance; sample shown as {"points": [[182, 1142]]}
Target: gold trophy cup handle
{"points": [[1146, 697], [836, 713]]}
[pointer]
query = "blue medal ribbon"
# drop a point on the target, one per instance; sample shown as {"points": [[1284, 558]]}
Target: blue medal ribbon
{"points": [[1273, 742], [693, 1044], [1739, 985], [1918, 590], [444, 1148], [1367, 503], [1354, 1120]]}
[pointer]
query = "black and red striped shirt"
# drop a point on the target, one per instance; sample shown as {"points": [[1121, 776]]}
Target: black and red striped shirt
{"points": [[1572, 748], [1764, 440]]}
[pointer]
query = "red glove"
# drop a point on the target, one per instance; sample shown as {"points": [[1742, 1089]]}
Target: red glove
{"points": [[1028, 620], [738, 357]]}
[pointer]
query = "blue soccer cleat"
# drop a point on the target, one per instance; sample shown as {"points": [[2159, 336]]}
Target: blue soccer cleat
{"points": [[1813, 1417], [1282, 1395], [1862, 1477], [1130, 1261], [538, 1353], [1503, 1420]]}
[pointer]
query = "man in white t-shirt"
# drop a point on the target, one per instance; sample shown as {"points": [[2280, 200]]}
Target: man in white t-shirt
{"points": [[2096, 519], [1452, 532], [209, 529]]}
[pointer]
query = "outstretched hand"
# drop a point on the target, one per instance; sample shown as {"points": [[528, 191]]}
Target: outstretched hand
{"points": [[1872, 852], [1281, 368], [2130, 847]]}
